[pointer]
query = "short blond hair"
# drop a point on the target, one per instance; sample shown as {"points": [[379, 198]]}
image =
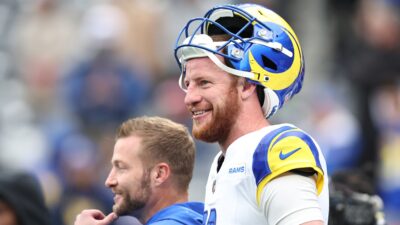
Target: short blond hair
{"points": [[163, 140]]}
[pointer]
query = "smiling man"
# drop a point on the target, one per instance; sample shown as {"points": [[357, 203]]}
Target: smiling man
{"points": [[152, 166], [240, 64]]}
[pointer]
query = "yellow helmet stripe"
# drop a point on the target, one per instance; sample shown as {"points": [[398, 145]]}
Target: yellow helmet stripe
{"points": [[278, 81]]}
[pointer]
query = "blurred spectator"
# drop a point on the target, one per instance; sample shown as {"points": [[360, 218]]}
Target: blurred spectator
{"points": [[17, 123], [76, 163], [385, 106], [44, 40], [330, 116], [104, 91], [368, 55], [175, 14], [105, 84], [102, 26], [167, 101], [137, 42], [21, 200]]}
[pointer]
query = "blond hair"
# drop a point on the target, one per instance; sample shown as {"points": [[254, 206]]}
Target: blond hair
{"points": [[163, 140]]}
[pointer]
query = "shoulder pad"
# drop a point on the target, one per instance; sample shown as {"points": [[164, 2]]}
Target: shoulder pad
{"points": [[282, 150]]}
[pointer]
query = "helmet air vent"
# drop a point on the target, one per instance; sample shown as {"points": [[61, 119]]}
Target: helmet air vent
{"points": [[269, 63]]}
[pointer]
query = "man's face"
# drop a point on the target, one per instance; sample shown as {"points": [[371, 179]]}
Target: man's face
{"points": [[128, 179], [212, 98], [7, 215]]}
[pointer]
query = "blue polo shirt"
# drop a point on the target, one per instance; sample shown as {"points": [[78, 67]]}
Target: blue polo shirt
{"points": [[188, 213]]}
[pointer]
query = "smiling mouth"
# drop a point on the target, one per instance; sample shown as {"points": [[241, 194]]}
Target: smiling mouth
{"points": [[199, 113], [117, 197]]}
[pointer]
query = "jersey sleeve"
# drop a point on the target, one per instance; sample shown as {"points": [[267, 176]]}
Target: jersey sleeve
{"points": [[284, 149], [295, 189]]}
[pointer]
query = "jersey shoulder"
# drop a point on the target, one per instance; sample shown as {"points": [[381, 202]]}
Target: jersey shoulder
{"points": [[283, 149], [180, 213]]}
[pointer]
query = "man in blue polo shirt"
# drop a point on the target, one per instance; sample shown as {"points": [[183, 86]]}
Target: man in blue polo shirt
{"points": [[152, 166]]}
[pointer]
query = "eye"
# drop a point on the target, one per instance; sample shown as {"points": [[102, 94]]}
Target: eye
{"points": [[204, 83], [119, 166], [186, 84]]}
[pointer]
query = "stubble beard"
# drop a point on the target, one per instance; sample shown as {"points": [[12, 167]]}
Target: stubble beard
{"points": [[223, 118], [130, 204]]}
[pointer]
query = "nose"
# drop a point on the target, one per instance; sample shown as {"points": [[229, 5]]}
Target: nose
{"points": [[111, 181], [192, 97]]}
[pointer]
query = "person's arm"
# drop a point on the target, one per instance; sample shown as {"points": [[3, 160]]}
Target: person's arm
{"points": [[94, 217], [291, 199]]}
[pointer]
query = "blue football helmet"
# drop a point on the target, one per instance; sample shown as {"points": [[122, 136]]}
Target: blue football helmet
{"points": [[258, 45]]}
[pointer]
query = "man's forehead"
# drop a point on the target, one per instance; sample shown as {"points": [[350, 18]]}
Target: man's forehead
{"points": [[202, 63], [194, 62], [127, 146]]}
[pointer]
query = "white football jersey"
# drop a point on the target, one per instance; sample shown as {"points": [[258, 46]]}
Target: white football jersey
{"points": [[236, 193]]}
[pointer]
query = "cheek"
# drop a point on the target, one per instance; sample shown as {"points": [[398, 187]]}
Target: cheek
{"points": [[223, 99], [133, 181], [126, 178], [215, 96]]}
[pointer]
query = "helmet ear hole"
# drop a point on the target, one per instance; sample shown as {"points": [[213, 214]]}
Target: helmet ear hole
{"points": [[269, 63], [260, 94]]}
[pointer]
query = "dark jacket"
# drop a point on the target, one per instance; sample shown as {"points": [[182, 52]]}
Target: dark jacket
{"points": [[24, 194]]}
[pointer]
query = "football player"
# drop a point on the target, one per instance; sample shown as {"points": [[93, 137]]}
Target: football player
{"points": [[239, 65]]}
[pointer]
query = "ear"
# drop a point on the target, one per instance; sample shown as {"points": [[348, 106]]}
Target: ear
{"points": [[160, 173], [246, 88]]}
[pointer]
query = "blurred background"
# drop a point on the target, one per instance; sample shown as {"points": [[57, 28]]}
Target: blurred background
{"points": [[72, 70]]}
